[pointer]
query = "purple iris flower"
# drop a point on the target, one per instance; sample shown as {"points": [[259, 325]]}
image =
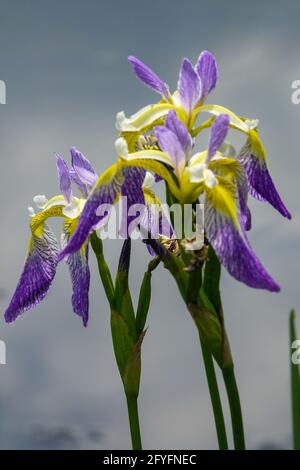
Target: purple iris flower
{"points": [[194, 84], [224, 185], [42, 256]]}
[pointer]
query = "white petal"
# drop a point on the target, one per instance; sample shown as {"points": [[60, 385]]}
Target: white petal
{"points": [[197, 172], [40, 200], [148, 181], [121, 147], [31, 211], [74, 209], [209, 178], [252, 123]]}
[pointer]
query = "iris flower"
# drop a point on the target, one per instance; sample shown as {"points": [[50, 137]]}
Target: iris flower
{"points": [[194, 86], [42, 258], [160, 140], [220, 179]]}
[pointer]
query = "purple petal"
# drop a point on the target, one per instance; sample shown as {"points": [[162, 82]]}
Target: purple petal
{"points": [[102, 195], [169, 143], [133, 192], [148, 77], [207, 70], [81, 186], [83, 168], [174, 124], [189, 86], [80, 275], [260, 183], [37, 275], [64, 177], [234, 251], [242, 188], [218, 133]]}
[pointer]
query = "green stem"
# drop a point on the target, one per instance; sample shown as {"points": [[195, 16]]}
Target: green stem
{"points": [[133, 414], [295, 387], [235, 408], [214, 396]]}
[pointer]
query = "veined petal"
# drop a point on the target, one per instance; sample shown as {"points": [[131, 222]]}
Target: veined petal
{"points": [[189, 86], [155, 167], [208, 72], [38, 273], [105, 192], [169, 143], [148, 77], [218, 133], [230, 242], [260, 183], [133, 192], [233, 170], [174, 124], [83, 168], [155, 223], [79, 271], [65, 182]]}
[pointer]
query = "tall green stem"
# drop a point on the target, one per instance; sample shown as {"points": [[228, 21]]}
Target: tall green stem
{"points": [[214, 396], [133, 414], [235, 408]]}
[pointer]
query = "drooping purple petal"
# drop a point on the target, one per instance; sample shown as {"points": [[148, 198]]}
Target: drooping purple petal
{"points": [[38, 273], [169, 143], [189, 86], [174, 124], [148, 77], [218, 133], [133, 192], [260, 183], [83, 168], [208, 72], [95, 210], [80, 274], [242, 190], [64, 177], [234, 250]]}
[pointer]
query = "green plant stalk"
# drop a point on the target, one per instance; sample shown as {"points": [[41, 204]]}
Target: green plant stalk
{"points": [[235, 408], [189, 286], [295, 388], [133, 415], [214, 396], [131, 398]]}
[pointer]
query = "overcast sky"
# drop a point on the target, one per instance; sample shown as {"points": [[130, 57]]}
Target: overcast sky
{"points": [[66, 72]]}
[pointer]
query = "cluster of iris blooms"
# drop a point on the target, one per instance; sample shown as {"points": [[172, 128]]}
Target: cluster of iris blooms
{"points": [[159, 142]]}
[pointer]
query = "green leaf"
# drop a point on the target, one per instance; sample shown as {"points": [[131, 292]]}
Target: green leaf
{"points": [[211, 333], [132, 373], [211, 282], [143, 303], [295, 383], [103, 268], [122, 301], [123, 341]]}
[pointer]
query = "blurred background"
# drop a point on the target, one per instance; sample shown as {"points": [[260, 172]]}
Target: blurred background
{"points": [[66, 72]]}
